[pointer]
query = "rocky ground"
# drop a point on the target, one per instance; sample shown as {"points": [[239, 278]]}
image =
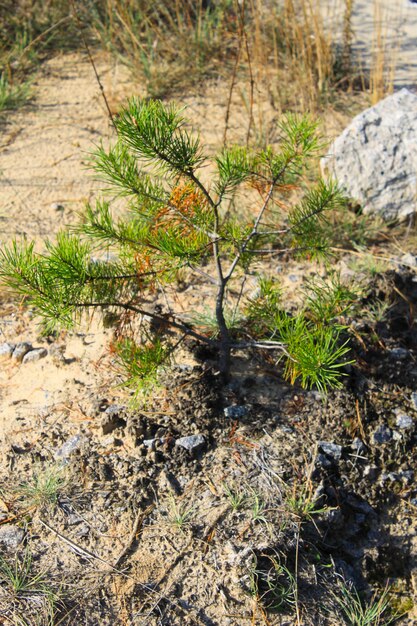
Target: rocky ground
{"points": [[255, 503]]}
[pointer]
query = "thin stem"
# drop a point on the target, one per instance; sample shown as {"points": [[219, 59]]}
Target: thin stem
{"points": [[224, 362], [159, 318], [93, 65]]}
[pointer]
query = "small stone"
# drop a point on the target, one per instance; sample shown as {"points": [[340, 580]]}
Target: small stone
{"points": [[414, 399], [391, 477], [383, 434], [6, 349], [407, 476], [108, 442], [332, 450], [56, 206], [111, 418], [83, 531], [370, 472], [323, 461], [410, 260], [358, 446], [399, 353], [150, 443], [396, 435], [69, 447], [235, 411], [404, 422], [192, 443], [20, 350], [35, 355], [286, 429], [11, 536]]}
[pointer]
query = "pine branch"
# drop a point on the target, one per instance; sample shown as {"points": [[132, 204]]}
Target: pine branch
{"points": [[156, 134]]}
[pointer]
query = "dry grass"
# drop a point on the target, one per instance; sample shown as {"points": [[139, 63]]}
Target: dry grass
{"points": [[171, 47], [384, 55], [284, 44]]}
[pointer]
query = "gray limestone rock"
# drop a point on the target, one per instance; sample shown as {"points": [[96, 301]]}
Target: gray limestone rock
{"points": [[375, 158], [193, 443], [399, 354], [69, 447], [382, 434], [332, 450], [20, 350], [236, 411], [358, 446], [35, 355], [11, 536], [404, 422], [6, 349]]}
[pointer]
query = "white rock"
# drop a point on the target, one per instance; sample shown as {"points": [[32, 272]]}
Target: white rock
{"points": [[6, 349], [11, 536], [21, 349], [192, 443], [35, 355], [70, 446], [375, 158]]}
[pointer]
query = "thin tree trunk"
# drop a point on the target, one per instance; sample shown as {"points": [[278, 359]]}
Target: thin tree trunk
{"points": [[224, 356]]}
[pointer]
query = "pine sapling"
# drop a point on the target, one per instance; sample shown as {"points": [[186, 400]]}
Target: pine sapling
{"points": [[129, 251]]}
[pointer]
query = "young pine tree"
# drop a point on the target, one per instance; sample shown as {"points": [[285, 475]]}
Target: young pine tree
{"points": [[170, 220]]}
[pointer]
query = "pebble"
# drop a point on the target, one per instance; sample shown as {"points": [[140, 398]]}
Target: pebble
{"points": [[150, 443], [11, 536], [382, 434], [358, 446], [332, 450], [414, 399], [404, 421], [323, 461], [235, 411], [6, 349], [83, 531], [71, 445], [56, 206], [370, 472], [20, 350], [409, 259], [408, 476], [35, 355], [399, 353], [192, 443]]}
